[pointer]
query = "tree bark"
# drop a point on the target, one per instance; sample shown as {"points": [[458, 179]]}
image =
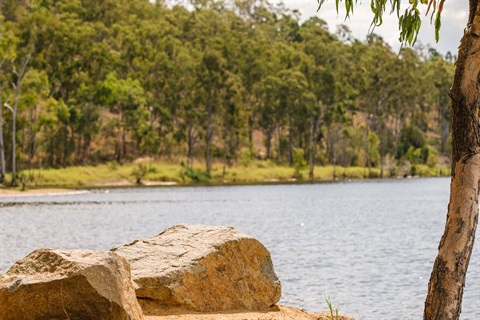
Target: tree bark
{"points": [[2, 145], [191, 140], [311, 145], [14, 139], [447, 280], [32, 139], [208, 142], [290, 141], [268, 142], [250, 133]]}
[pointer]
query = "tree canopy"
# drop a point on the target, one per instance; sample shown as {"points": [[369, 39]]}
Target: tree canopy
{"points": [[116, 80]]}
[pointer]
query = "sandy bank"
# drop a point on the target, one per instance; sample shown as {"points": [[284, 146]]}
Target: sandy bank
{"points": [[38, 192], [275, 313]]}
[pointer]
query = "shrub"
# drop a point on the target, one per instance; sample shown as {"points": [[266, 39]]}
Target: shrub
{"points": [[139, 172], [299, 162], [196, 175]]}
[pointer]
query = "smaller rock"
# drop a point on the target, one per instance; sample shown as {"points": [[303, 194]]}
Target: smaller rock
{"points": [[61, 284]]}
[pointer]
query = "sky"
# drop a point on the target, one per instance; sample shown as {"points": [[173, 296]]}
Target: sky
{"points": [[454, 20]]}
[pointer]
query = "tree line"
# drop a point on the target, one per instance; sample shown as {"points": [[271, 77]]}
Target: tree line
{"points": [[87, 82]]}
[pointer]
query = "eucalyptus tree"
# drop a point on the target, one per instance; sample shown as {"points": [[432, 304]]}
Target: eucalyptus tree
{"points": [[257, 62], [450, 268], [322, 48], [231, 117], [2, 145], [7, 53], [268, 108], [211, 79], [124, 98], [187, 116], [17, 84], [235, 106], [35, 91], [440, 72], [294, 96], [383, 84], [212, 68], [381, 81], [55, 123]]}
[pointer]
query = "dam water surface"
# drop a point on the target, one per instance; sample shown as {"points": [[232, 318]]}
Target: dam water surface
{"points": [[369, 245]]}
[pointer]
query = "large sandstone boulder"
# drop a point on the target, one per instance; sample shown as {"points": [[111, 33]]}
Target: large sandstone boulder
{"points": [[201, 268], [59, 284]]}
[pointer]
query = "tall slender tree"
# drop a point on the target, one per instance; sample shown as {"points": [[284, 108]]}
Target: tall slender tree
{"points": [[20, 75], [2, 145], [449, 271]]}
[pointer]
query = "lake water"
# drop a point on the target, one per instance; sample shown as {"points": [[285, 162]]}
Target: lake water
{"points": [[369, 245]]}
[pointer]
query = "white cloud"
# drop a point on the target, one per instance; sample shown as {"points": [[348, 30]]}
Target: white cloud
{"points": [[454, 19]]}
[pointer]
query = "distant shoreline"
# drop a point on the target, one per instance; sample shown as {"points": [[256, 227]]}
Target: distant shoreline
{"points": [[73, 190], [158, 174]]}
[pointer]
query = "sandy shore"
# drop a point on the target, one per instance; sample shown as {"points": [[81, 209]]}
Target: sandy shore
{"points": [[5, 192], [130, 183], [277, 312], [38, 192]]}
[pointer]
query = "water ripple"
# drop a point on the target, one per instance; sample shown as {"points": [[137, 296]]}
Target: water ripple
{"points": [[368, 245]]}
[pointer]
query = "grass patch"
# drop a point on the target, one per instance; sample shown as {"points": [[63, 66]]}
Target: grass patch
{"points": [[257, 171]]}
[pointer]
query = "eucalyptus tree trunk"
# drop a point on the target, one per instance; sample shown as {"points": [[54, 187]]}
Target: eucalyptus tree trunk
{"points": [[268, 141], [208, 142], [14, 147], [447, 281], [250, 133], [311, 146], [191, 140], [18, 87], [2, 145]]}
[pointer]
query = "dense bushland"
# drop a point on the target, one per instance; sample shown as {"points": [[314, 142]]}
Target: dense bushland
{"points": [[90, 82]]}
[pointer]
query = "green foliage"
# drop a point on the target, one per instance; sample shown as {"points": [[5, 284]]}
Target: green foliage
{"points": [[139, 172], [411, 139], [246, 159], [299, 162], [373, 143], [195, 175], [113, 81], [414, 155], [409, 23], [333, 314]]}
